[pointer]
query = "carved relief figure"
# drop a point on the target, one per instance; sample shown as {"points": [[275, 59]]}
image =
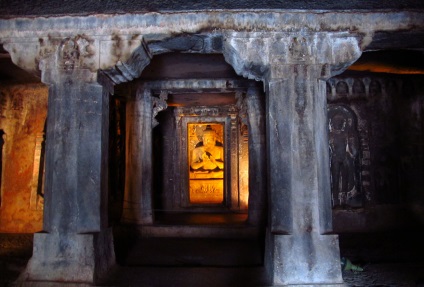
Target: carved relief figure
{"points": [[208, 156], [343, 143], [206, 164]]}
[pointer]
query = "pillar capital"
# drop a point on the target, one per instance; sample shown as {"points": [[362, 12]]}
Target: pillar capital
{"points": [[120, 58], [266, 55]]}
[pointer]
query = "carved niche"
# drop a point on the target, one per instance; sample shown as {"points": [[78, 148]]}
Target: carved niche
{"points": [[209, 154]]}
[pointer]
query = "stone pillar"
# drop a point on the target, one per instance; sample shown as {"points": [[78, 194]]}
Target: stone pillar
{"points": [[293, 68], [257, 162], [76, 244], [297, 250], [138, 178]]}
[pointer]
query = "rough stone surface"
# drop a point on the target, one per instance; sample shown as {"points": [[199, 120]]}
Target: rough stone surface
{"points": [[51, 8], [97, 37], [307, 259], [77, 153], [298, 175], [23, 113], [138, 188], [257, 162], [79, 258]]}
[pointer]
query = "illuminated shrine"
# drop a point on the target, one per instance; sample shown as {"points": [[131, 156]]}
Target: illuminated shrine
{"points": [[220, 143]]}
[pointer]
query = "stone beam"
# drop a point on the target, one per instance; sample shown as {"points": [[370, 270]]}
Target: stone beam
{"points": [[160, 26], [117, 36]]}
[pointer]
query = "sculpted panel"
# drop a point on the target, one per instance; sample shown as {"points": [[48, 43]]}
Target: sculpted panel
{"points": [[344, 152], [206, 158]]}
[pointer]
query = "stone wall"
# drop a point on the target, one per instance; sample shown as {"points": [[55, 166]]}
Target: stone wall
{"points": [[387, 131], [23, 111], [387, 112]]}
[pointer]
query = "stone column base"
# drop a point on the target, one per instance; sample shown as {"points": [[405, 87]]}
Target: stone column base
{"points": [[76, 258], [308, 259]]}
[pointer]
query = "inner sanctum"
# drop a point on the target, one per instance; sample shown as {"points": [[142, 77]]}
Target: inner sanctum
{"points": [[187, 150]]}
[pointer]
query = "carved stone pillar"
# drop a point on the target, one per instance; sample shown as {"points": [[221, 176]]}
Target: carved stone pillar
{"points": [[76, 244], [293, 67], [138, 178], [257, 162]]}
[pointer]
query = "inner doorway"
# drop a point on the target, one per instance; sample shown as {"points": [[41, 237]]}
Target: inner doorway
{"points": [[200, 161]]}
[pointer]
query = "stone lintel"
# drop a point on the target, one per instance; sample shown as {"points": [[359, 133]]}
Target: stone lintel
{"points": [[163, 25], [197, 85], [71, 258]]}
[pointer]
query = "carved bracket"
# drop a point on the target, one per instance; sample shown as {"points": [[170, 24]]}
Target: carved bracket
{"points": [[159, 104], [125, 71], [262, 56]]}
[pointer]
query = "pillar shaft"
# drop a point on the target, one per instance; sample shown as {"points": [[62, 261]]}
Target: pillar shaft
{"points": [[292, 66], [138, 186], [76, 245], [257, 162], [76, 156], [298, 152], [298, 251]]}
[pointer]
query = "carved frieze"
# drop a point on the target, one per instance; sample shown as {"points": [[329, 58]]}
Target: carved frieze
{"points": [[205, 111], [381, 132]]}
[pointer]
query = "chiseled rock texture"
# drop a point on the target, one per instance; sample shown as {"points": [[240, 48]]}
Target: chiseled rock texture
{"points": [[23, 111], [81, 7]]}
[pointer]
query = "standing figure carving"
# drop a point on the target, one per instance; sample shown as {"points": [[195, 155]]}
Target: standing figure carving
{"points": [[343, 141]]}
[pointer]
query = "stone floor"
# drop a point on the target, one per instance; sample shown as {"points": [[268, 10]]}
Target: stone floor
{"points": [[389, 259]]}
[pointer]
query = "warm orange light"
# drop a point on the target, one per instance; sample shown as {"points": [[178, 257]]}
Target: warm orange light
{"points": [[206, 163], [377, 67]]}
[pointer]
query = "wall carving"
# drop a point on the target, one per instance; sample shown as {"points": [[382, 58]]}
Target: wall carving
{"points": [[159, 104], [344, 154], [389, 133]]}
